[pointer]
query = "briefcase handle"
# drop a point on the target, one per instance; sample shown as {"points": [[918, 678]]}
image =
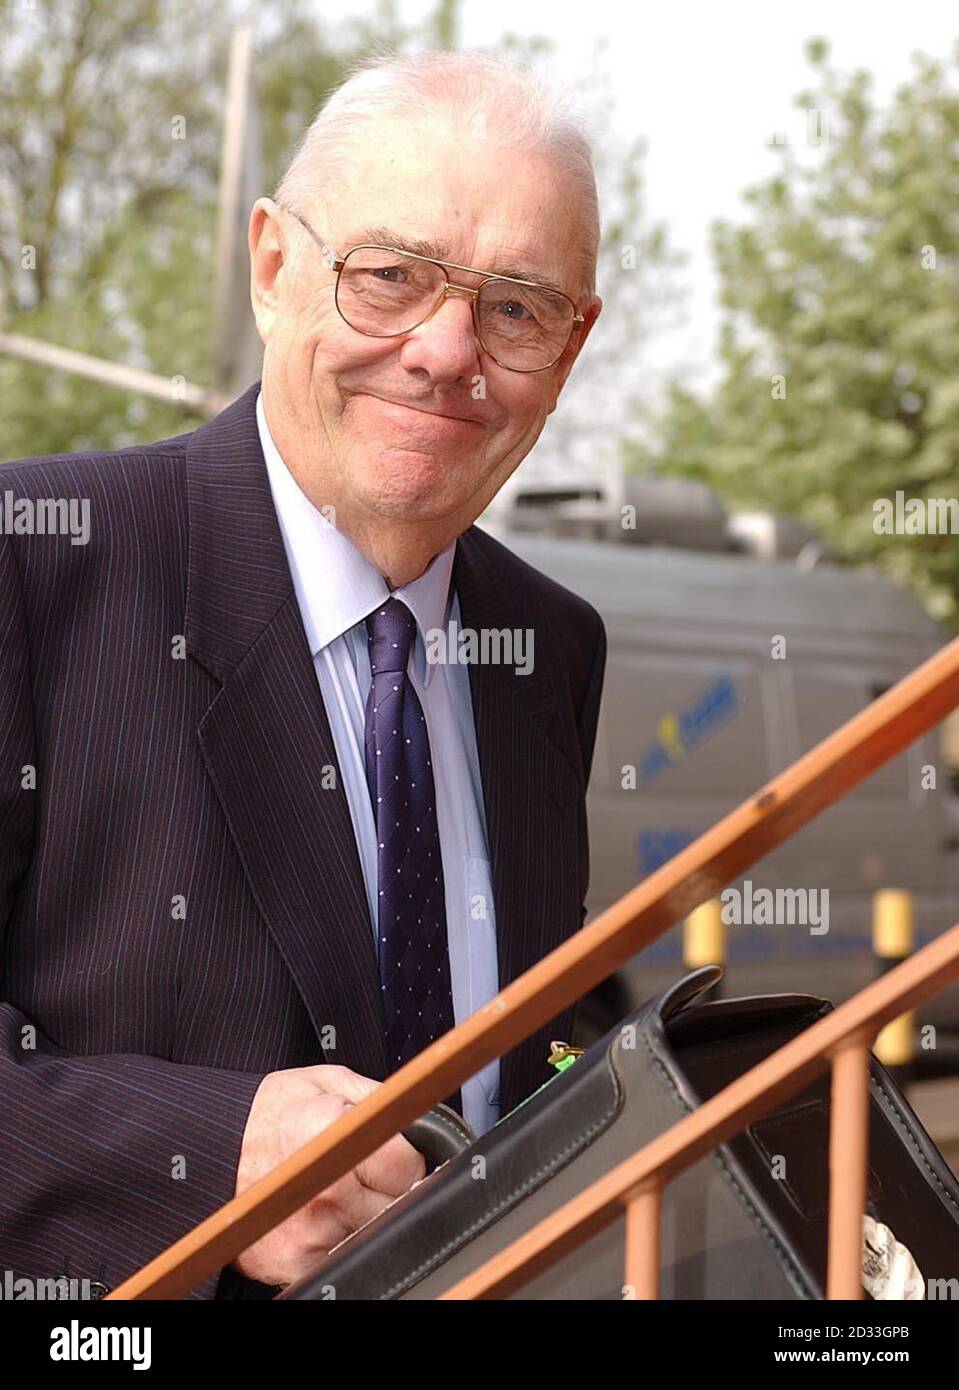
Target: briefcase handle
{"points": [[439, 1135]]}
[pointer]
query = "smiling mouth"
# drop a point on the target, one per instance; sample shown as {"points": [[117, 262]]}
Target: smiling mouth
{"points": [[433, 414]]}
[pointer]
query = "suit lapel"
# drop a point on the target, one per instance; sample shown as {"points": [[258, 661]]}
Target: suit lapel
{"points": [[266, 741], [530, 795]]}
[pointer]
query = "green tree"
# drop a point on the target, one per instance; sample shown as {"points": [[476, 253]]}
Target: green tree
{"points": [[839, 346]]}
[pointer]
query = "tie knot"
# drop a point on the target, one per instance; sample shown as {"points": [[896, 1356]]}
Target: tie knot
{"points": [[390, 629]]}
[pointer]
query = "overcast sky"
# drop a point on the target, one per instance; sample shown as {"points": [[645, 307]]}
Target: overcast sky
{"points": [[708, 84]]}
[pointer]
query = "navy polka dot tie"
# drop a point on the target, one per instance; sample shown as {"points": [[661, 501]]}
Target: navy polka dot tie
{"points": [[411, 938]]}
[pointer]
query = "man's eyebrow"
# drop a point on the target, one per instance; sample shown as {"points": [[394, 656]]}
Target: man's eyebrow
{"points": [[435, 251]]}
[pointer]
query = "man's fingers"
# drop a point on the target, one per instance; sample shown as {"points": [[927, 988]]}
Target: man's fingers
{"points": [[340, 1081], [393, 1168], [346, 1206]]}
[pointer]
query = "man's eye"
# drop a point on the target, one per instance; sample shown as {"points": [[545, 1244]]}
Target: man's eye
{"points": [[512, 309], [382, 273]]}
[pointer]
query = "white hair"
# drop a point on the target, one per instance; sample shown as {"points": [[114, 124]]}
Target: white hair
{"points": [[487, 97]]}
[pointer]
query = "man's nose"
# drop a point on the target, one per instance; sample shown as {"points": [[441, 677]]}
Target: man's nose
{"points": [[446, 345]]}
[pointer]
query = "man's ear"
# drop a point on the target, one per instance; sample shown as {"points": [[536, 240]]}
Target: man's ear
{"points": [[565, 364], [267, 258]]}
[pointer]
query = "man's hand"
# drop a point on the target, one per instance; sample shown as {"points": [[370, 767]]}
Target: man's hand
{"points": [[289, 1109]]}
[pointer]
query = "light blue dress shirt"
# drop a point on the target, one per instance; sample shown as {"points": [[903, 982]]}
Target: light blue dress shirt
{"points": [[336, 587]]}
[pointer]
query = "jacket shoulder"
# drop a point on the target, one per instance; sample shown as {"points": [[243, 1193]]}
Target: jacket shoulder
{"points": [[553, 600], [101, 465], [110, 511]]}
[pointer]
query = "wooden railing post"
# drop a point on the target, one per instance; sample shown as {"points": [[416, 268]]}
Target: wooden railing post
{"points": [[643, 1211], [848, 1167]]}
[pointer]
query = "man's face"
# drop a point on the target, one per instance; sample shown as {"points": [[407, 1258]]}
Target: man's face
{"points": [[424, 427]]}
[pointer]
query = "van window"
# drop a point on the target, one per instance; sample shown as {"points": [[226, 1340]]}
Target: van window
{"points": [[826, 696]]}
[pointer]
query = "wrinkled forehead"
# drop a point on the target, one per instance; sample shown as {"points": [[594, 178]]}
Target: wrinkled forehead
{"points": [[461, 199]]}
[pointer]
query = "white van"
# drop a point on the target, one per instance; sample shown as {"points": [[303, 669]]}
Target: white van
{"points": [[722, 670]]}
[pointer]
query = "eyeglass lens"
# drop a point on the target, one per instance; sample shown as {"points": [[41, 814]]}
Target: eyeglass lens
{"points": [[384, 293]]}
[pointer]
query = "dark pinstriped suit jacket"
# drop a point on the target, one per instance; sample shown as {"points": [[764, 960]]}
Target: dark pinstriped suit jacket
{"points": [[182, 907]]}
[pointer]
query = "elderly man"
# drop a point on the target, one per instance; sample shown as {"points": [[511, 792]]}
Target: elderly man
{"points": [[257, 846]]}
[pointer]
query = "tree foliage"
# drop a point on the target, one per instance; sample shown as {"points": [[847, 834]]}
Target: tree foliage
{"points": [[839, 346], [110, 134]]}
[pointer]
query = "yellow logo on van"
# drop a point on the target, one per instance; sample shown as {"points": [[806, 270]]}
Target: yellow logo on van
{"points": [[679, 733], [670, 736]]}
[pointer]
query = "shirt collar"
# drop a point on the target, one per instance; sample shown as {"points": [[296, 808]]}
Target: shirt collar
{"points": [[336, 586]]}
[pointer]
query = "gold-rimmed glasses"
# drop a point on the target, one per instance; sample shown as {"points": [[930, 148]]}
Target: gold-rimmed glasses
{"points": [[384, 292]]}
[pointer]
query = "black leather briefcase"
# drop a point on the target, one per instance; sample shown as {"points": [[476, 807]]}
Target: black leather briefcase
{"points": [[747, 1222]]}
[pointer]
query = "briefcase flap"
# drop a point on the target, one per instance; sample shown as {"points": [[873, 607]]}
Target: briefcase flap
{"points": [[761, 1200]]}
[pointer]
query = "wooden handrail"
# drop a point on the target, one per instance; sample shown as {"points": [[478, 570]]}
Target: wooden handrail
{"points": [[842, 1036], [887, 726]]}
